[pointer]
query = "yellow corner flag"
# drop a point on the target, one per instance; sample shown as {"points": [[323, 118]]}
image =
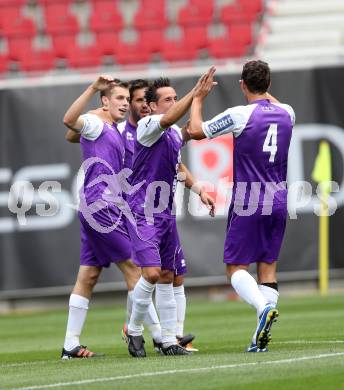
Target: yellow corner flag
{"points": [[322, 174]]}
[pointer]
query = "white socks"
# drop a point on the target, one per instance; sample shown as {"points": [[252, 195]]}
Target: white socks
{"points": [[179, 295], [142, 298], [167, 308], [270, 294], [247, 288], [153, 324], [78, 307], [129, 305]]}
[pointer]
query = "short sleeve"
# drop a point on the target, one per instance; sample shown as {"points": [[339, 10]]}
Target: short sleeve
{"points": [[233, 120], [149, 130], [92, 128], [290, 111]]}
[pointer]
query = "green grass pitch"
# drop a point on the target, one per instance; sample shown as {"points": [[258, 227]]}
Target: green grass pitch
{"points": [[306, 352]]}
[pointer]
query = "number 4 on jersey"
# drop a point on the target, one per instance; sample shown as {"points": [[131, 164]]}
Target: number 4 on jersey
{"points": [[270, 143]]}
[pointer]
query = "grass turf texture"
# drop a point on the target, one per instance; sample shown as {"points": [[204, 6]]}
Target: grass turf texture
{"points": [[308, 328]]}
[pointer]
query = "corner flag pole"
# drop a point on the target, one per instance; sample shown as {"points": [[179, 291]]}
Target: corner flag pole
{"points": [[324, 246], [322, 174]]}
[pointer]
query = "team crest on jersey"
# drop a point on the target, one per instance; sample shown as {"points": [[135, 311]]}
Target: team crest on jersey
{"points": [[130, 137], [220, 124]]}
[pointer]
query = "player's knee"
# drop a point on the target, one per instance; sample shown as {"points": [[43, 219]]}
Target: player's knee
{"points": [[178, 280], [132, 275], [166, 276], [151, 274], [89, 278]]}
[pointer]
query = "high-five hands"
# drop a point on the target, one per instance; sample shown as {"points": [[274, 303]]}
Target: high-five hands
{"points": [[205, 84]]}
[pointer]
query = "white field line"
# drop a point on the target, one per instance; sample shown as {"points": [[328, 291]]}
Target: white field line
{"points": [[38, 362], [310, 342], [187, 371]]}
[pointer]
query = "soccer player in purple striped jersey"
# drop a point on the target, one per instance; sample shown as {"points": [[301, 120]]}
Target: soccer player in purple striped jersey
{"points": [[258, 211], [101, 143], [138, 110], [154, 236]]}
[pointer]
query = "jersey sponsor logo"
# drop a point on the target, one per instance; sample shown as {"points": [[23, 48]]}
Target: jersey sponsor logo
{"points": [[220, 124], [267, 108]]}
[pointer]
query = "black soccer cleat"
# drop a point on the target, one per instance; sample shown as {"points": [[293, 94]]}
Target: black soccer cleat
{"points": [[157, 347], [175, 350], [79, 352], [136, 346], [185, 340]]}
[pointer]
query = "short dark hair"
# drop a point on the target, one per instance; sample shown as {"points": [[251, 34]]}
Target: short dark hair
{"points": [[136, 84], [256, 75], [151, 93], [117, 83]]}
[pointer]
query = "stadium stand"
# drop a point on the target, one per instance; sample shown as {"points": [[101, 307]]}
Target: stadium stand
{"points": [[54, 33], [295, 31]]}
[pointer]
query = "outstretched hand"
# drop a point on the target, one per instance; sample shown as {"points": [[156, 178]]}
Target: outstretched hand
{"points": [[209, 202], [205, 84], [103, 82]]}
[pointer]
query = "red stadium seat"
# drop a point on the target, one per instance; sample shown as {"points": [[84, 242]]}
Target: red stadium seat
{"points": [[59, 20], [224, 48], [151, 16], [104, 5], [17, 46], [62, 44], [161, 4], [14, 24], [251, 6], [84, 57], [107, 42], [233, 13], [62, 25], [36, 60], [151, 40], [9, 12], [105, 18], [196, 36], [241, 33], [132, 53], [56, 9], [234, 43], [177, 50], [196, 12]]}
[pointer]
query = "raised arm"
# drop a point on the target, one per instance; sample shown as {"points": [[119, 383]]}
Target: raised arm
{"points": [[191, 183], [72, 136], [72, 118], [179, 109], [200, 93]]}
